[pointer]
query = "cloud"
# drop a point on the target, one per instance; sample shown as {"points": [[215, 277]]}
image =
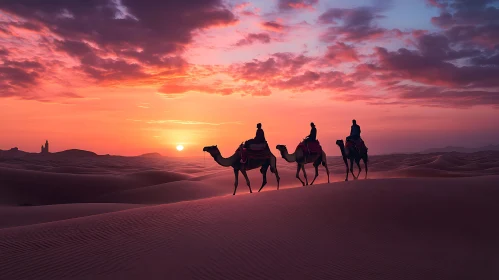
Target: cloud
{"points": [[442, 97], [252, 38], [354, 24], [411, 65], [116, 40], [310, 80], [277, 64], [69, 94], [437, 3], [341, 52], [4, 52], [296, 4], [16, 77], [186, 122], [255, 89], [273, 26]]}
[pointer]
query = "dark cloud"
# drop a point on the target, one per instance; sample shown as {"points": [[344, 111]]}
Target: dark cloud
{"points": [[296, 4], [252, 38], [351, 24], [442, 97], [474, 22], [152, 32], [4, 52], [484, 60], [14, 81], [25, 64], [438, 46], [486, 35], [411, 65]]}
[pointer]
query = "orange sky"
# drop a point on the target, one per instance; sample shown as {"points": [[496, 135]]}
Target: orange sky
{"points": [[121, 96]]}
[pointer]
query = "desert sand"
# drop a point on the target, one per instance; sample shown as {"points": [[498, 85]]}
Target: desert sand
{"points": [[418, 216]]}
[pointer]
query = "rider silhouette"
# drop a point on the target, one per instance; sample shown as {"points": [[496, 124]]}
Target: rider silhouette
{"points": [[312, 136], [354, 131], [259, 137]]}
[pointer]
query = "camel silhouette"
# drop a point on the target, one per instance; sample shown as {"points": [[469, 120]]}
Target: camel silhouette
{"points": [[301, 159], [352, 154], [235, 162]]}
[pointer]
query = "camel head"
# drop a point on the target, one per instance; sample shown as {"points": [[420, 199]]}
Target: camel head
{"points": [[213, 150], [281, 147], [340, 143]]}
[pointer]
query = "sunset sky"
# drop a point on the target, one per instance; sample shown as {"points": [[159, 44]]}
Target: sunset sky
{"points": [[130, 77]]}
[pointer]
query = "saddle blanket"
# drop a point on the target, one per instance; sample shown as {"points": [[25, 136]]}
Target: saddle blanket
{"points": [[257, 152], [358, 144], [314, 147]]}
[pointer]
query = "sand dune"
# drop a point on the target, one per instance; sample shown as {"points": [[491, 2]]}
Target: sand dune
{"points": [[20, 216], [35, 180], [408, 228]]}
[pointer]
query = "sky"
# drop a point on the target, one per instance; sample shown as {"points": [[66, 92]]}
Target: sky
{"points": [[130, 77]]}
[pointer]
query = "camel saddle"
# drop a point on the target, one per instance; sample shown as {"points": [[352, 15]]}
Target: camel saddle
{"points": [[254, 151], [358, 144], [310, 147]]}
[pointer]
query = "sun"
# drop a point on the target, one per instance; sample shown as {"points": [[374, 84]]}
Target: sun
{"points": [[180, 148]]}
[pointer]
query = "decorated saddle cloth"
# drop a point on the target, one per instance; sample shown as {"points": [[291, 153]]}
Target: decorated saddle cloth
{"points": [[254, 151], [310, 147]]}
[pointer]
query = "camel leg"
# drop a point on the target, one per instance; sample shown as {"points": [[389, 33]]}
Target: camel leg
{"points": [[316, 166], [365, 164], [298, 174], [263, 170], [273, 169], [346, 165], [247, 179], [316, 174], [236, 174], [358, 164], [351, 169], [304, 173], [327, 171]]}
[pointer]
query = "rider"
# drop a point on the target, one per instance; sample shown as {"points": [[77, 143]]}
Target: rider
{"points": [[354, 131], [313, 133], [312, 136], [259, 137]]}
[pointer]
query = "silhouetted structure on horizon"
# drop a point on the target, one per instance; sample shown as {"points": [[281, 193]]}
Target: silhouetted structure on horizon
{"points": [[45, 150]]}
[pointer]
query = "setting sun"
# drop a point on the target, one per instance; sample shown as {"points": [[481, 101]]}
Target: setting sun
{"points": [[180, 148]]}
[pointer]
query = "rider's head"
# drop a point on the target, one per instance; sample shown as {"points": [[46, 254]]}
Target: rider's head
{"points": [[354, 121], [312, 124], [258, 125]]}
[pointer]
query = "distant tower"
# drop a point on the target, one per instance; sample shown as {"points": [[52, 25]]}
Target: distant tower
{"points": [[45, 150]]}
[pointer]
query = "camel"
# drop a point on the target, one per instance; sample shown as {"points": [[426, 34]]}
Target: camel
{"points": [[299, 157], [235, 162], [352, 154]]}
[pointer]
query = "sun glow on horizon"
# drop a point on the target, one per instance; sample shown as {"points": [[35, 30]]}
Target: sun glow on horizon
{"points": [[180, 148]]}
